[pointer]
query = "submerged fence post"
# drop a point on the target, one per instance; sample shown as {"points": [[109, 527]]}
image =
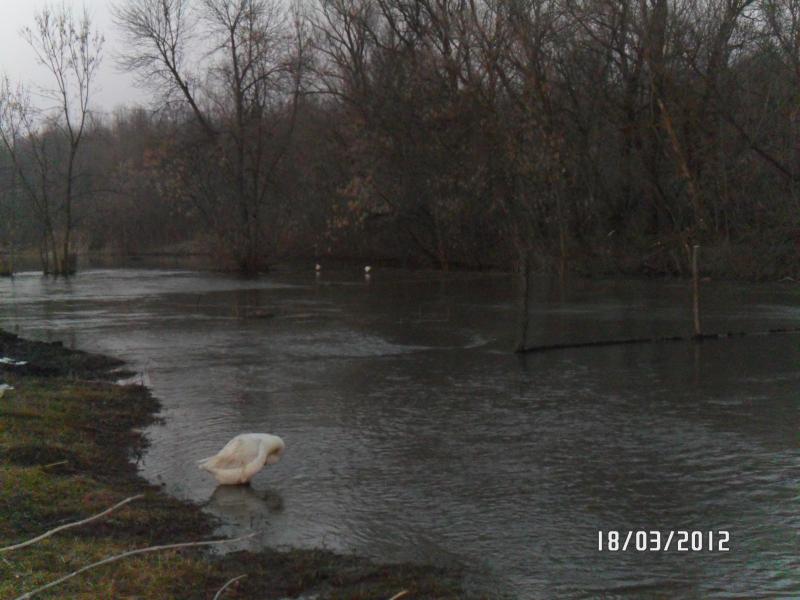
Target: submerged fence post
{"points": [[696, 291], [524, 292]]}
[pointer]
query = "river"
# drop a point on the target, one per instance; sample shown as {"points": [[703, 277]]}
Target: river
{"points": [[414, 434]]}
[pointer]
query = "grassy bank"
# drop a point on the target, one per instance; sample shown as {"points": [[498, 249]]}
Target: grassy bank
{"points": [[66, 439]]}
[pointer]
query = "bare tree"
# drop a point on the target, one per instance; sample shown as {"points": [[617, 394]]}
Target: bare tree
{"points": [[44, 144], [71, 50], [243, 98], [600, 135], [27, 145]]}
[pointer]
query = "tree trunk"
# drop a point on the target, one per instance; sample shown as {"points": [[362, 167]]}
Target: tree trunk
{"points": [[53, 261], [524, 294], [43, 254], [68, 266]]}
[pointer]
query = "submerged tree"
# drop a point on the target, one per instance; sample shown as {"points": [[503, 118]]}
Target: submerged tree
{"points": [[44, 144], [242, 95]]}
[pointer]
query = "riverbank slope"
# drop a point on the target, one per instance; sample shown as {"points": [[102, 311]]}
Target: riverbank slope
{"points": [[67, 439]]}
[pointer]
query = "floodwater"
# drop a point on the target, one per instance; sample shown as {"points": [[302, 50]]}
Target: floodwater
{"points": [[413, 433]]}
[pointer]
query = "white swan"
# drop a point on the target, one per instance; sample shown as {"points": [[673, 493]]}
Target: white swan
{"points": [[243, 457]]}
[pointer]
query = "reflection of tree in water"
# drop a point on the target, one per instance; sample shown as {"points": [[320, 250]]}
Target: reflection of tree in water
{"points": [[244, 506]]}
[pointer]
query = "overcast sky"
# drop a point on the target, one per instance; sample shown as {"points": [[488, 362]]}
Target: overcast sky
{"points": [[18, 61]]}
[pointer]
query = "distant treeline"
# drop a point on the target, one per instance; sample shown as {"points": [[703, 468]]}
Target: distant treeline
{"points": [[590, 135]]}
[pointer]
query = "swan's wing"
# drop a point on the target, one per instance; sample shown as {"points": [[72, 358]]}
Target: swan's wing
{"points": [[243, 457], [236, 453], [238, 469]]}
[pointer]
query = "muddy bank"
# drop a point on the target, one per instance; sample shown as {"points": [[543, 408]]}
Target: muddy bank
{"points": [[67, 439]]}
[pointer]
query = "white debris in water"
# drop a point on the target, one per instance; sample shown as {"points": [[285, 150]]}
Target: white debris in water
{"points": [[4, 387], [4, 360]]}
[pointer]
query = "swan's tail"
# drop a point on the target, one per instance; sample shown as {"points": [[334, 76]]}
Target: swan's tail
{"points": [[205, 463]]}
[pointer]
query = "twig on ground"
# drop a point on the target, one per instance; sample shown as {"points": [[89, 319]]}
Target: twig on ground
{"points": [[399, 595], [55, 464], [117, 557], [47, 534], [228, 583]]}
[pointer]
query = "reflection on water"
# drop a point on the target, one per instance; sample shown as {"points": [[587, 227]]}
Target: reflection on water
{"points": [[414, 434], [243, 507]]}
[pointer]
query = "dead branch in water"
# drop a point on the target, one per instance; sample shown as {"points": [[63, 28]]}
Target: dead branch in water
{"points": [[655, 340], [117, 557], [47, 534]]}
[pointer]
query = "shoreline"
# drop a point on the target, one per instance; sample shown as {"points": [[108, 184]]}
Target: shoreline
{"points": [[606, 263], [68, 434]]}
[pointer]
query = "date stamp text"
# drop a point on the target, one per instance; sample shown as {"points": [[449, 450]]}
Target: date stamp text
{"points": [[680, 540]]}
